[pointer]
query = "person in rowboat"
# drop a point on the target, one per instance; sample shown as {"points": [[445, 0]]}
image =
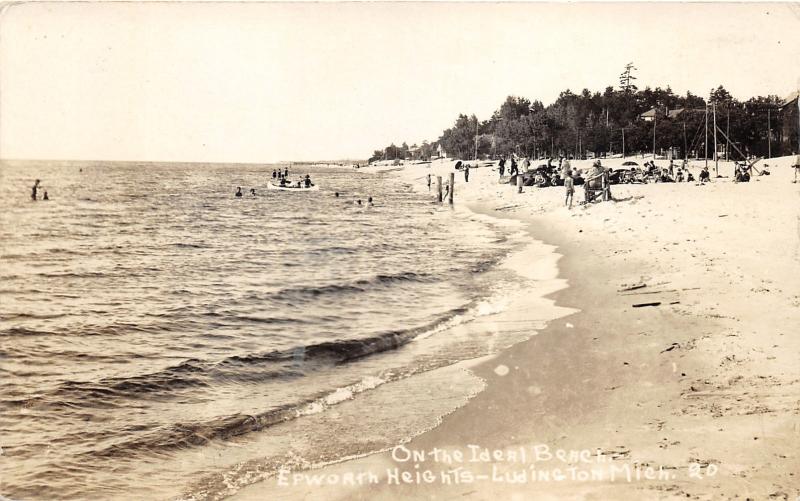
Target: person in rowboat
{"points": [[308, 181]]}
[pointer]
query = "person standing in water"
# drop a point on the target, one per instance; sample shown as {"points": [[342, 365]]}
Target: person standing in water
{"points": [[429, 181], [34, 190], [45, 197], [466, 173], [286, 172], [274, 174]]}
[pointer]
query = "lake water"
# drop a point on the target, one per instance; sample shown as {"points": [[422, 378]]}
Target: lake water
{"points": [[161, 338]]}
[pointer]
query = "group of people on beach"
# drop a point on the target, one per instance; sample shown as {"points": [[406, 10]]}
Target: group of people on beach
{"points": [[513, 170]]}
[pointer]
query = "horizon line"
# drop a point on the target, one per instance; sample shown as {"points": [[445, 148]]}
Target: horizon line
{"points": [[181, 161]]}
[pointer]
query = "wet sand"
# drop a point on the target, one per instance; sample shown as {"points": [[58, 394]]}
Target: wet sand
{"points": [[703, 387]]}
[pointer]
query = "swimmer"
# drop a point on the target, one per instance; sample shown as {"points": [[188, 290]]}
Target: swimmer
{"points": [[45, 197]]}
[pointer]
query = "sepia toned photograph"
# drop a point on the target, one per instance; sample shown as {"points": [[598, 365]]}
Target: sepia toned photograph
{"points": [[399, 251]]}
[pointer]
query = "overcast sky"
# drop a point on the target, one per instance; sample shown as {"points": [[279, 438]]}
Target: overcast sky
{"points": [[270, 82]]}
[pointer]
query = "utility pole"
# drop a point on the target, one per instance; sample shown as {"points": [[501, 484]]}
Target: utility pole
{"points": [[705, 141], [769, 133], [476, 138], [623, 142], [654, 134], [716, 160], [685, 150], [727, 133]]}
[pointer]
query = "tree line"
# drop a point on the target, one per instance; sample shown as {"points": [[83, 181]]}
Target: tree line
{"points": [[598, 124]]}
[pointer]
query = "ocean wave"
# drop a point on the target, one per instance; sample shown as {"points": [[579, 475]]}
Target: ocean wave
{"points": [[361, 285], [183, 435], [239, 369], [192, 434], [31, 316], [115, 329]]}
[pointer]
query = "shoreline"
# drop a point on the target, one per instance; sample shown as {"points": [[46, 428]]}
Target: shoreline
{"points": [[704, 383], [515, 311]]}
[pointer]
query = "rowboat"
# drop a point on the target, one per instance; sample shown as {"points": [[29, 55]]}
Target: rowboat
{"points": [[271, 186]]}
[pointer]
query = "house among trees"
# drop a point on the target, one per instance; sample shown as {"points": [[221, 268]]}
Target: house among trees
{"points": [[650, 114], [790, 116]]}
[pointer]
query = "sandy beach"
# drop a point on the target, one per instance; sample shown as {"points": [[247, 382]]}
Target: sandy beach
{"points": [[675, 377]]}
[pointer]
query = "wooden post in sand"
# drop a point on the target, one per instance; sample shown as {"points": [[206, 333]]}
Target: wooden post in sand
{"points": [[439, 189], [452, 186], [716, 160]]}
